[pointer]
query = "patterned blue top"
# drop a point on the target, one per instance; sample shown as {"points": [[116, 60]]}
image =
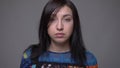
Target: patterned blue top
{"points": [[49, 58]]}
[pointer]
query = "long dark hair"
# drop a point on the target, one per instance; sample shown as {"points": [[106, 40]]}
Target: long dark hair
{"points": [[77, 47]]}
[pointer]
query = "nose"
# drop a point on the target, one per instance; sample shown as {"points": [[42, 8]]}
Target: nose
{"points": [[59, 26]]}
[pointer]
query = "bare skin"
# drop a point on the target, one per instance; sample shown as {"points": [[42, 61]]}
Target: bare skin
{"points": [[60, 30]]}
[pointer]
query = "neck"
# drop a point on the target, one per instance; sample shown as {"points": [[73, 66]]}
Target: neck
{"points": [[59, 47]]}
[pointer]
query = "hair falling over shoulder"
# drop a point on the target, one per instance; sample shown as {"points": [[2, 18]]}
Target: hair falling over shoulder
{"points": [[77, 47]]}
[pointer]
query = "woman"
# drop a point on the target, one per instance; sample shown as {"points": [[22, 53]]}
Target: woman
{"points": [[60, 40]]}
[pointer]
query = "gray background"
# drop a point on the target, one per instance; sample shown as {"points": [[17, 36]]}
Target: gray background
{"points": [[100, 20]]}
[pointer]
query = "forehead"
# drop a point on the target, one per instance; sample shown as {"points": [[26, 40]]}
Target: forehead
{"points": [[65, 10]]}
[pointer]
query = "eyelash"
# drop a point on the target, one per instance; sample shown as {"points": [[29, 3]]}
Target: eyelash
{"points": [[66, 19], [52, 19]]}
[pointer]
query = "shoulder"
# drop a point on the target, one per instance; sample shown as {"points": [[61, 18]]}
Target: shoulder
{"points": [[91, 59], [27, 53], [26, 60], [26, 57]]}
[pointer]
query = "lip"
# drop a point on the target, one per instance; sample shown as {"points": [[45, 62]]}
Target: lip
{"points": [[59, 35]]}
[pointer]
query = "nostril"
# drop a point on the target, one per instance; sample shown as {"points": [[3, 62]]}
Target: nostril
{"points": [[59, 29], [59, 26]]}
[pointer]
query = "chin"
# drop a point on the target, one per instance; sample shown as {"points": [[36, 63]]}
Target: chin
{"points": [[60, 41]]}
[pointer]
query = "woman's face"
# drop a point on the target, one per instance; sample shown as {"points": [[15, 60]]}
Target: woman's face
{"points": [[60, 26]]}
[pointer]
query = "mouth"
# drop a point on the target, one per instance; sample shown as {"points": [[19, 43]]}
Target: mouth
{"points": [[59, 35]]}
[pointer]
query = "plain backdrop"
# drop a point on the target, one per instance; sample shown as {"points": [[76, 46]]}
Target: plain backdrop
{"points": [[100, 21]]}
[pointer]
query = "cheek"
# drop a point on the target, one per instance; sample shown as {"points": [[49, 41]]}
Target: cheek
{"points": [[69, 29], [51, 30]]}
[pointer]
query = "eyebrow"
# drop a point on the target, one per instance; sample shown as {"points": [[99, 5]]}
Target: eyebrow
{"points": [[67, 15], [53, 15]]}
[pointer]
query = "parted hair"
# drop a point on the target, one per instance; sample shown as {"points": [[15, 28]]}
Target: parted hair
{"points": [[77, 47]]}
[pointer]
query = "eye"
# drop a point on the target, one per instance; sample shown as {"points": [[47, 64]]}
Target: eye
{"points": [[68, 19], [52, 19]]}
